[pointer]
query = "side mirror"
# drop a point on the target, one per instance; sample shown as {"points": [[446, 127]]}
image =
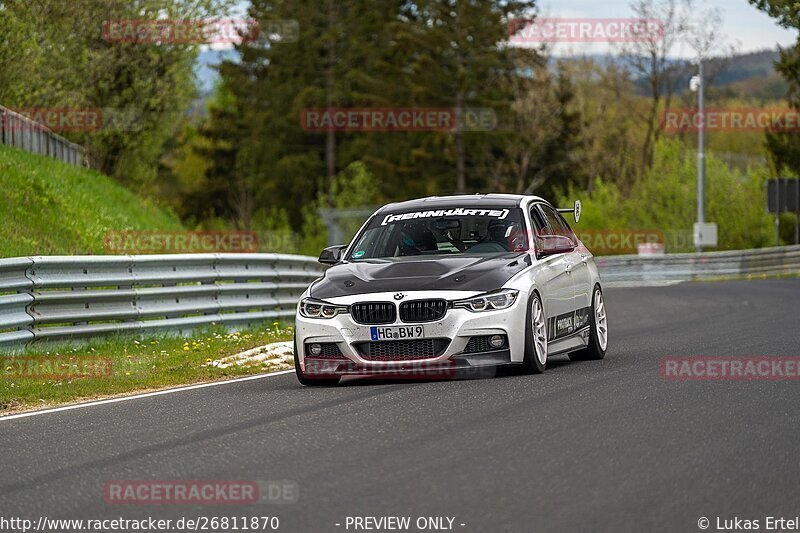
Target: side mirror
{"points": [[553, 244], [332, 254]]}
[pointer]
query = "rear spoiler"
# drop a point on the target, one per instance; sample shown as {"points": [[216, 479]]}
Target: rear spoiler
{"points": [[576, 211]]}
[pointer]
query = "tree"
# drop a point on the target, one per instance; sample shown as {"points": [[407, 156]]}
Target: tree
{"points": [[539, 142], [460, 62], [785, 147], [650, 59], [450, 54], [66, 62], [611, 131]]}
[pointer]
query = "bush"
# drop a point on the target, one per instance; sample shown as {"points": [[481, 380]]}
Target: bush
{"points": [[665, 199]]}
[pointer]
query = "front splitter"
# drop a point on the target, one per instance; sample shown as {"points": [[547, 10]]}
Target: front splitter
{"points": [[459, 365]]}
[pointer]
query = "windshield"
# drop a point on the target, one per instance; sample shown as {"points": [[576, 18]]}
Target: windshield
{"points": [[484, 231]]}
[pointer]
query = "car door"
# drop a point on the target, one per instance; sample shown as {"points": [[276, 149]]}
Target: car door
{"points": [[579, 268], [555, 278]]}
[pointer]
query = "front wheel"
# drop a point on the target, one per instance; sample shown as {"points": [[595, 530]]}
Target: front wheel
{"points": [[598, 331], [535, 359]]}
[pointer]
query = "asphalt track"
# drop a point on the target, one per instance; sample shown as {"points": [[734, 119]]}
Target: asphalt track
{"points": [[590, 446]]}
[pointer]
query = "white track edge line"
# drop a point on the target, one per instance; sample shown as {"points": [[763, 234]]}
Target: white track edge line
{"points": [[142, 395]]}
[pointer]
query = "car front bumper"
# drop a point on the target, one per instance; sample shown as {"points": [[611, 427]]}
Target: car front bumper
{"points": [[455, 330]]}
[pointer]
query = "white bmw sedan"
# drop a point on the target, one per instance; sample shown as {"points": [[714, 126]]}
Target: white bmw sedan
{"points": [[440, 285]]}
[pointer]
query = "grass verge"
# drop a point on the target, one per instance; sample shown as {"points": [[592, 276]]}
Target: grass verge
{"points": [[750, 277], [47, 376], [52, 208]]}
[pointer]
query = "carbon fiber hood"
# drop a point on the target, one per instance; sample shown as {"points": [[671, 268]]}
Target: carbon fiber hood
{"points": [[419, 273]]}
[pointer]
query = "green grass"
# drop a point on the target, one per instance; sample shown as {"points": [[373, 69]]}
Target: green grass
{"points": [[137, 364], [51, 208], [750, 277]]}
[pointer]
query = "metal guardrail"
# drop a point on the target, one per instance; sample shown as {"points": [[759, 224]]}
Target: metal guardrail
{"points": [[73, 297], [21, 132], [693, 266]]}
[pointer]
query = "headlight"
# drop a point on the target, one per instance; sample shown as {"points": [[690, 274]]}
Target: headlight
{"points": [[311, 308], [490, 301]]}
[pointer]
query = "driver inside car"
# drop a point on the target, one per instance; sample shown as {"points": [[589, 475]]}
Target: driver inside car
{"points": [[417, 239], [507, 235], [498, 232]]}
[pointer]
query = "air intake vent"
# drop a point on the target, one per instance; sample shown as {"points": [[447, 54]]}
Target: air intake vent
{"points": [[330, 350], [409, 350], [374, 313], [423, 310], [481, 344]]}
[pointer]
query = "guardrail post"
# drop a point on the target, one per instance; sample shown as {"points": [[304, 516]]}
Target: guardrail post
{"points": [[16, 322]]}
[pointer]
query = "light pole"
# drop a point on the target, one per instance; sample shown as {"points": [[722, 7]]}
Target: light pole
{"points": [[697, 84]]}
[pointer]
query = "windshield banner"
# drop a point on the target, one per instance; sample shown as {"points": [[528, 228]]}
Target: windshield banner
{"points": [[499, 214]]}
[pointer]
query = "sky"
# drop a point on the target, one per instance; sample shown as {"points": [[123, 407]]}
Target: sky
{"points": [[742, 24]]}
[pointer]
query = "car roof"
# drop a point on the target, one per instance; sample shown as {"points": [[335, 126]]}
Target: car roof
{"points": [[458, 200]]}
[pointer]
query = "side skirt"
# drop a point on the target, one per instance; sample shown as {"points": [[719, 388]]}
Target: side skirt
{"points": [[575, 341]]}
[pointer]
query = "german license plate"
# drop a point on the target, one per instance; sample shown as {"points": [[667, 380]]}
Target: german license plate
{"points": [[384, 333]]}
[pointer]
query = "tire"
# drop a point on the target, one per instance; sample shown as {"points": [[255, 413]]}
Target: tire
{"points": [[535, 359], [310, 382], [598, 331]]}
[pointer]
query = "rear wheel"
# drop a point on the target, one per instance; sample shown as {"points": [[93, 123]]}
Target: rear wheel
{"points": [[535, 359], [598, 331], [307, 381]]}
